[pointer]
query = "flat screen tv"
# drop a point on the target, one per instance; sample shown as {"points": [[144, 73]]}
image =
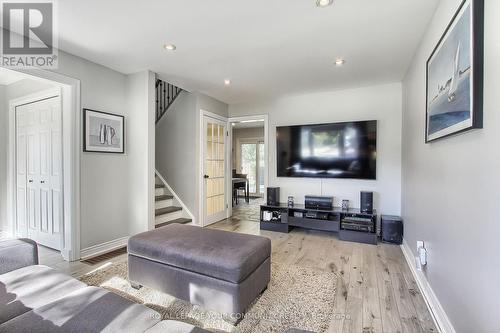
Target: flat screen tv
{"points": [[336, 150]]}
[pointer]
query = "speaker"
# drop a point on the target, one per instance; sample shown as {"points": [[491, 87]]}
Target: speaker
{"points": [[391, 229], [273, 196], [366, 199]]}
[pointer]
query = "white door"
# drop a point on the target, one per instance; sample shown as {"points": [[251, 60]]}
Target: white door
{"points": [[39, 171], [214, 167]]}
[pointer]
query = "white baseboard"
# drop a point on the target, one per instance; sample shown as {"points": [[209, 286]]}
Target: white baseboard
{"points": [[96, 250], [438, 314], [176, 197]]}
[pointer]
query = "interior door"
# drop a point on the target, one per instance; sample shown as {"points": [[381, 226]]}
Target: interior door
{"points": [[214, 167], [39, 171]]}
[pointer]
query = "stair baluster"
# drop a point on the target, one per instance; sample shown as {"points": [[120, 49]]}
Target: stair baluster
{"points": [[166, 94]]}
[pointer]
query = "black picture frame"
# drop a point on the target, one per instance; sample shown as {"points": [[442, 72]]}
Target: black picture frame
{"points": [[476, 66], [105, 150]]}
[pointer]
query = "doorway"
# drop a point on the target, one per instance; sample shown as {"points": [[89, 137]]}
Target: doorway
{"points": [[43, 113], [249, 161]]}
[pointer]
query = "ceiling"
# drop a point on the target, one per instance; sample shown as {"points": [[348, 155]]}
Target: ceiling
{"points": [[267, 48], [8, 77]]}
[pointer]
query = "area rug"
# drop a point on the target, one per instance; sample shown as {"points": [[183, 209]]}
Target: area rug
{"points": [[297, 297]]}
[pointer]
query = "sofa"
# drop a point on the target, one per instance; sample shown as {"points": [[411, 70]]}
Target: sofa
{"points": [[37, 298]]}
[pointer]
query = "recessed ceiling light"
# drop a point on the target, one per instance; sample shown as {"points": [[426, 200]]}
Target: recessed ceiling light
{"points": [[323, 3], [227, 82], [170, 47], [339, 62]]}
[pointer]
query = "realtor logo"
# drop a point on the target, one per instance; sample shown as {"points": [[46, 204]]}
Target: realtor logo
{"points": [[28, 35]]}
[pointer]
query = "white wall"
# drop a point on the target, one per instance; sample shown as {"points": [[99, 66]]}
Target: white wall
{"points": [[104, 177], [451, 188], [178, 145], [382, 103], [141, 142], [26, 87], [3, 158]]}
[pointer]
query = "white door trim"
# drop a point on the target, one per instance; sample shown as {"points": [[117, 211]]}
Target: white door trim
{"points": [[266, 152], [201, 180], [69, 91]]}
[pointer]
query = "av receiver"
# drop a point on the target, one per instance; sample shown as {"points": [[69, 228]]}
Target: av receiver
{"points": [[317, 215], [358, 222]]}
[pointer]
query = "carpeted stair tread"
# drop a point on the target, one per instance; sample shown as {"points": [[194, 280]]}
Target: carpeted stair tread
{"points": [[167, 210], [181, 221], [163, 197]]}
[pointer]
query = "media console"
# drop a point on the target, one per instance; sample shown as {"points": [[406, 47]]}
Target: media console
{"points": [[351, 225]]}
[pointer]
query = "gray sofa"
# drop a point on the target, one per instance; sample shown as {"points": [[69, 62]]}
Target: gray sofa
{"points": [[219, 270], [37, 298]]}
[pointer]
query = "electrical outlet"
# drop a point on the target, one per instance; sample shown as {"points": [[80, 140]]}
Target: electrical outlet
{"points": [[421, 258], [418, 265]]}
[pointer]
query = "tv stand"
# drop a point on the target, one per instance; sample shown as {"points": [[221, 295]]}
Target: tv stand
{"points": [[337, 220]]}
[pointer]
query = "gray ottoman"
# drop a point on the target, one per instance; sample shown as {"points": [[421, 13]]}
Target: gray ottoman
{"points": [[219, 270]]}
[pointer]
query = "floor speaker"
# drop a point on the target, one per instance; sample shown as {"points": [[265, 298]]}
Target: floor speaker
{"points": [[366, 199], [391, 229], [273, 196]]}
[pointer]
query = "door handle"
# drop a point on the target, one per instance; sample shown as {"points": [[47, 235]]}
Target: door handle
{"points": [[206, 176], [42, 182], [30, 181]]}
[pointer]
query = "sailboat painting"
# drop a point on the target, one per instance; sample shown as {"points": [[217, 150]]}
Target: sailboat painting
{"points": [[451, 79], [104, 132]]}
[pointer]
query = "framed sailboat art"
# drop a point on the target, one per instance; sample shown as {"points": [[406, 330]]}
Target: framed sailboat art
{"points": [[103, 132], [455, 75]]}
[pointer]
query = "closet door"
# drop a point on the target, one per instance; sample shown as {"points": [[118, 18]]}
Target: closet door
{"points": [[39, 126]]}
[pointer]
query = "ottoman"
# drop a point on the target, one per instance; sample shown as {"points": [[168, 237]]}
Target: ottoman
{"points": [[219, 270]]}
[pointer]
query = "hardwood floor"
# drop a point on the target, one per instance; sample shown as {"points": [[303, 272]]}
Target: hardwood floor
{"points": [[376, 291]]}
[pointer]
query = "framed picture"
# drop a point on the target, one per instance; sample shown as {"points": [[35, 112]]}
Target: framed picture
{"points": [[103, 132], [455, 75]]}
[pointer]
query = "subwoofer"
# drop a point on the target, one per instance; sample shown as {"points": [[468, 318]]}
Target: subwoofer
{"points": [[391, 229], [273, 196], [366, 200]]}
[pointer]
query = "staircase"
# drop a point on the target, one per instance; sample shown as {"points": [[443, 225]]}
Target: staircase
{"points": [[167, 210], [166, 94]]}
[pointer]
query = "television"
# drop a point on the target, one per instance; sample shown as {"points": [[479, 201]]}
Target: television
{"points": [[335, 150]]}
